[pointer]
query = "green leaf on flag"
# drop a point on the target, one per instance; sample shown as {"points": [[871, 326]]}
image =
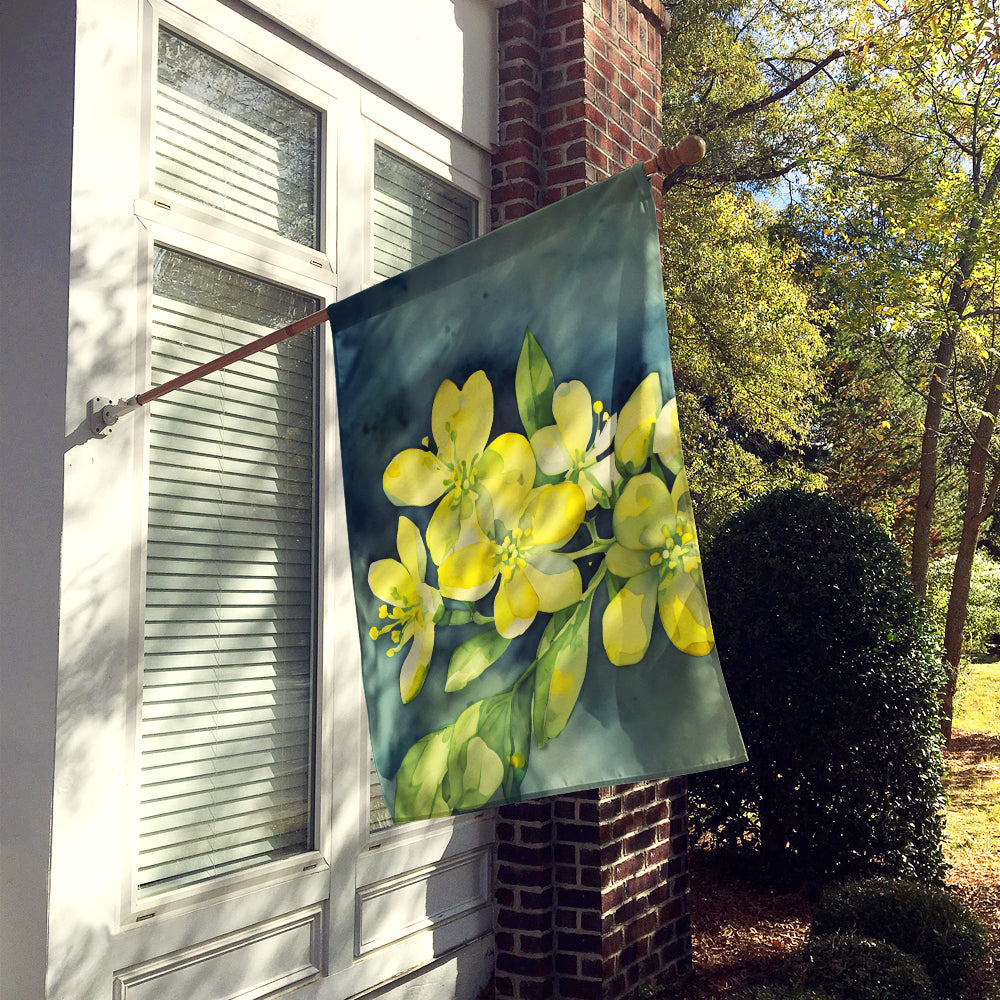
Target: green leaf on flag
{"points": [[534, 386], [419, 778], [560, 669], [473, 656], [475, 762]]}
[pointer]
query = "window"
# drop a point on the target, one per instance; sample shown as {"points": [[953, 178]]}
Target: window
{"points": [[415, 217], [229, 649], [227, 140], [228, 685], [252, 805]]}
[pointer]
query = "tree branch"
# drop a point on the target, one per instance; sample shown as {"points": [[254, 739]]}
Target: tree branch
{"points": [[753, 107]]}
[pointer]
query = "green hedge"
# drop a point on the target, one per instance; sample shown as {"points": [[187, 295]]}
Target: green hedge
{"points": [[833, 672], [782, 993], [925, 922], [857, 968]]}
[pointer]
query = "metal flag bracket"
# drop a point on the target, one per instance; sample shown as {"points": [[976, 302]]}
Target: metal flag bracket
{"points": [[103, 413]]}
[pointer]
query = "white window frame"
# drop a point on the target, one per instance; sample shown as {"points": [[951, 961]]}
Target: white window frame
{"points": [[350, 874], [180, 224]]}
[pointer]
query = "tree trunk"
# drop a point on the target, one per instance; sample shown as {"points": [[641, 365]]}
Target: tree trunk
{"points": [[979, 500], [920, 553], [958, 299]]}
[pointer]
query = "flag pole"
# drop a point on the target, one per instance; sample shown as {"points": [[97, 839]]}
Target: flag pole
{"points": [[103, 413]]}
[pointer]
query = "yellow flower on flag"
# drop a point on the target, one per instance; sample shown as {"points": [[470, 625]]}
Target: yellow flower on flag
{"points": [[656, 552], [667, 438], [464, 475], [520, 550], [636, 425], [412, 606], [575, 444]]}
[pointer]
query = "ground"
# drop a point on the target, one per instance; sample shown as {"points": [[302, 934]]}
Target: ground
{"points": [[742, 935]]}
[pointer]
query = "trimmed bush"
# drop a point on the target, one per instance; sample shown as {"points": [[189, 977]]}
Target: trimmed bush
{"points": [[833, 672], [925, 922], [857, 968], [782, 993]]}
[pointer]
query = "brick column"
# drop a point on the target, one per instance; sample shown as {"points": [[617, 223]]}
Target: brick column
{"points": [[591, 889]]}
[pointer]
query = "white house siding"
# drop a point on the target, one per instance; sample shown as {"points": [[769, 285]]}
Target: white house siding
{"points": [[410, 915], [36, 118]]}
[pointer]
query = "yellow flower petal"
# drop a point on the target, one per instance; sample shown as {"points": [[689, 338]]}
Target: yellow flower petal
{"points": [[625, 562], [507, 473], [461, 419], [515, 605], [446, 531], [414, 478], [550, 451], [574, 415], [414, 669], [555, 579], [667, 437], [628, 620], [636, 424], [641, 511], [410, 545], [686, 621], [468, 574], [553, 514], [391, 581]]}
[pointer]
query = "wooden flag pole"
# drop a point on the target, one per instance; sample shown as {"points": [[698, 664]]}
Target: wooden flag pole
{"points": [[103, 413]]}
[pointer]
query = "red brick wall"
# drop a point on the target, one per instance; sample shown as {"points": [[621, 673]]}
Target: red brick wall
{"points": [[579, 96], [591, 889]]}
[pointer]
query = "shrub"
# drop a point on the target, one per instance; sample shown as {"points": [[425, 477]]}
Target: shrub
{"points": [[856, 968], [834, 674], [926, 922], [782, 993]]}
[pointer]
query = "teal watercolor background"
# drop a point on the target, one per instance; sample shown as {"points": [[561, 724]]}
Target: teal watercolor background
{"points": [[584, 276]]}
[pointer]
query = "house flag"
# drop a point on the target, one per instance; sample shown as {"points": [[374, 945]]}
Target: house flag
{"points": [[528, 585]]}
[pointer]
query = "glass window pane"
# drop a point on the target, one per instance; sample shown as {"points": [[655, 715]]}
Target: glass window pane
{"points": [[231, 141], [417, 216], [228, 679]]}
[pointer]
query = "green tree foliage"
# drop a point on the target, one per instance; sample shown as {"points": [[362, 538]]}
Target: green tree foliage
{"points": [[880, 122], [746, 76], [982, 620], [833, 674], [908, 179], [746, 348], [747, 358]]}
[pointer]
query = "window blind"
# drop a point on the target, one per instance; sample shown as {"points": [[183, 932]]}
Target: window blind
{"points": [[416, 216], [228, 140], [228, 653]]}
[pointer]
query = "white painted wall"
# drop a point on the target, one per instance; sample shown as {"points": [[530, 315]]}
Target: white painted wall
{"points": [[396, 42], [36, 119], [71, 289]]}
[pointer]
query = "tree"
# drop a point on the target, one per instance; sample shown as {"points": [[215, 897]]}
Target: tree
{"points": [[746, 76], [912, 177], [747, 353], [747, 358]]}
